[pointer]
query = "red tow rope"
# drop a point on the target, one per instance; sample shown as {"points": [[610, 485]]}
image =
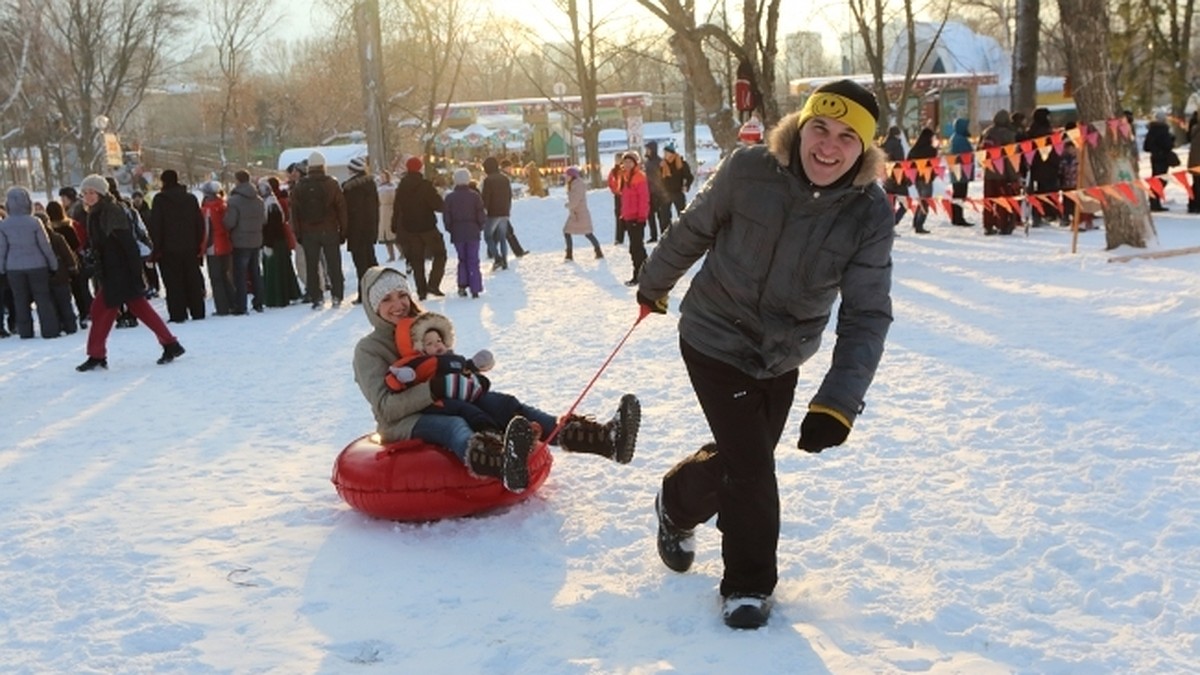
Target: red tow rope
{"points": [[643, 311]]}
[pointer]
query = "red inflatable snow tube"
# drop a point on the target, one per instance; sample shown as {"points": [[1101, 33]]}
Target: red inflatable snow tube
{"points": [[413, 480]]}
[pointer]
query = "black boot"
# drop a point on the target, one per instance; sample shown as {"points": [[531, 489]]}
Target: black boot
{"points": [[746, 610], [615, 439], [676, 546], [171, 351], [92, 363]]}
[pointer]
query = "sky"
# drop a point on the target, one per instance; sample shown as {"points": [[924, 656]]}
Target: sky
{"points": [[544, 16], [1020, 494]]}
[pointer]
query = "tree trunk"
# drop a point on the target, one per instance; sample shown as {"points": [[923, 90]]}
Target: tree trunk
{"points": [[1086, 37], [693, 63], [1025, 57]]}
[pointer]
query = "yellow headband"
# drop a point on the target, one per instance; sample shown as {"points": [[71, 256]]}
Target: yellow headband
{"points": [[842, 109]]}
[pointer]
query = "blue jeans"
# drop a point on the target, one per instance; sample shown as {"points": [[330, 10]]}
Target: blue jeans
{"points": [[495, 233], [246, 260], [453, 433]]}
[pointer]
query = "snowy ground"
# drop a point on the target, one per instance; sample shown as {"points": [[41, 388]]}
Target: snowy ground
{"points": [[1021, 494]]}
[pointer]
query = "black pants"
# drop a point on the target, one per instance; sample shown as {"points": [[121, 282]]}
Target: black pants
{"points": [[619, 238], [363, 255], [637, 244], [416, 247], [656, 205], [735, 477], [959, 192], [184, 285]]}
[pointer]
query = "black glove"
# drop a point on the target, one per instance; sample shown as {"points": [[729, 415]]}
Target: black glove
{"points": [[820, 430], [648, 305]]}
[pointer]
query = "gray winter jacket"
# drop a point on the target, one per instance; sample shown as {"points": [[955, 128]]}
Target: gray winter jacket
{"points": [[24, 244], [245, 216], [778, 254], [395, 412]]}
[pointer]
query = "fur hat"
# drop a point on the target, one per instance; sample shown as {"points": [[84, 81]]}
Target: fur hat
{"points": [[315, 158], [845, 101], [632, 154], [358, 164], [390, 280], [413, 165], [96, 183], [462, 176], [432, 321]]}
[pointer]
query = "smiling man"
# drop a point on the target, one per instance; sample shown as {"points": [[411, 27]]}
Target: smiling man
{"points": [[784, 230]]}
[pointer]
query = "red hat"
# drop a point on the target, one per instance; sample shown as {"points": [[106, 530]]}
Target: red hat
{"points": [[413, 165]]}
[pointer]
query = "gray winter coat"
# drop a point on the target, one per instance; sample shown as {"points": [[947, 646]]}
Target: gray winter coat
{"points": [[245, 217], [24, 244], [396, 412], [778, 253]]}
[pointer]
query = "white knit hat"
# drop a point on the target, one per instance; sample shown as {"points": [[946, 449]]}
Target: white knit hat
{"points": [[315, 158], [94, 182], [389, 280]]}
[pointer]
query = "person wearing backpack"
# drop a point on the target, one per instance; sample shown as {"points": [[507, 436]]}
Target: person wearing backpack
{"points": [[118, 276], [319, 215]]}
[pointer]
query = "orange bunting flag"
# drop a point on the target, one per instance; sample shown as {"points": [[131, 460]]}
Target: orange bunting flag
{"points": [[955, 168], [974, 204], [1036, 202], [910, 172], [1015, 160], [1126, 191], [1056, 141], [1056, 199], [1003, 203], [1093, 136], [924, 169], [947, 206]]}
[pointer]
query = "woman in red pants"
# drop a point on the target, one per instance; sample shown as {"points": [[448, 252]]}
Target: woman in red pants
{"points": [[118, 276]]}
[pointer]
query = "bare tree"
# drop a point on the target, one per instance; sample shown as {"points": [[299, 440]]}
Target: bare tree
{"points": [[236, 28], [102, 57], [14, 67], [1096, 99], [873, 18], [1170, 24], [430, 41]]}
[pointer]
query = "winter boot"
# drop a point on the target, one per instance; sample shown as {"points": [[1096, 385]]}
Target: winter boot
{"points": [[615, 439], [92, 363], [746, 610], [518, 443], [676, 546], [171, 351], [485, 455]]}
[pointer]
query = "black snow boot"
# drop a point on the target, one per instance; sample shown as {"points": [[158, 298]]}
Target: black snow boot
{"points": [[92, 363], [490, 455], [746, 610], [171, 351], [676, 546]]}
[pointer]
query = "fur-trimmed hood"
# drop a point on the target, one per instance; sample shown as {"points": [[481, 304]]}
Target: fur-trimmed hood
{"points": [[431, 320], [784, 135]]}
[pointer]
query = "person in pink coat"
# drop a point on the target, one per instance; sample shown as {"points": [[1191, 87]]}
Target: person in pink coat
{"points": [[579, 218], [634, 189]]}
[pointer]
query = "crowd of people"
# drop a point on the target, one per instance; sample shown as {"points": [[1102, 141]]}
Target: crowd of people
{"points": [[1049, 177]]}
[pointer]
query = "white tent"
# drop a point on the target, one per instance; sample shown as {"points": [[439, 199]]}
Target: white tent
{"points": [[337, 157]]}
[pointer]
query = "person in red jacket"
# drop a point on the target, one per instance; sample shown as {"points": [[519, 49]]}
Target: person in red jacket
{"points": [[634, 189], [217, 247]]}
